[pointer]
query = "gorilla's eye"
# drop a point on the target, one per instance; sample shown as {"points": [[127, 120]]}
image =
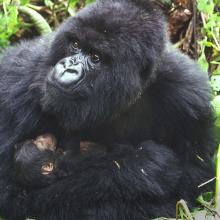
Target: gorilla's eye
{"points": [[75, 45], [95, 58]]}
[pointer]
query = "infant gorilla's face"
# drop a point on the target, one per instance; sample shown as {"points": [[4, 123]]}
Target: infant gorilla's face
{"points": [[37, 156], [99, 58], [46, 142]]}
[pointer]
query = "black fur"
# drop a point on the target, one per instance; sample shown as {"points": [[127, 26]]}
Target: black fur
{"points": [[149, 104]]}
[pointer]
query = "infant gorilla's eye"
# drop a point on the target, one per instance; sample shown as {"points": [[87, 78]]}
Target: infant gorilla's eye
{"points": [[95, 58]]}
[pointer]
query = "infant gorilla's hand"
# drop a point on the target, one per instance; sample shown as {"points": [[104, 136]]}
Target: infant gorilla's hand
{"points": [[35, 161]]}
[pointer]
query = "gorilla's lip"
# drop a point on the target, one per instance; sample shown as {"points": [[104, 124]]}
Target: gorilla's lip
{"points": [[51, 79], [66, 94]]}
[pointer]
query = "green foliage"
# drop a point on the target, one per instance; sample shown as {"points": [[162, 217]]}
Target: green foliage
{"points": [[182, 211], [211, 41], [211, 62], [217, 195], [206, 6], [211, 35], [206, 211], [9, 23], [18, 17], [40, 23]]}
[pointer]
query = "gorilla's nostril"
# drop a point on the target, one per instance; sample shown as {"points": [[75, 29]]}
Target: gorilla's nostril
{"points": [[74, 60], [63, 63]]}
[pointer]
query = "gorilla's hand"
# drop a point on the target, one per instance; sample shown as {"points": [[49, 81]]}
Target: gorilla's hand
{"points": [[107, 185]]}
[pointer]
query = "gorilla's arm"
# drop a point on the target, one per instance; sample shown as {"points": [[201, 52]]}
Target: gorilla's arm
{"points": [[125, 184], [22, 71], [20, 115], [107, 186]]}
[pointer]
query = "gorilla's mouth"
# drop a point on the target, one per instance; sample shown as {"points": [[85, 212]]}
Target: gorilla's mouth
{"points": [[66, 80], [56, 91]]}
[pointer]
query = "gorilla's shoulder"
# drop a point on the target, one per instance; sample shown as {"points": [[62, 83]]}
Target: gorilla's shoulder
{"points": [[181, 83], [21, 62], [178, 69], [25, 53], [21, 66]]}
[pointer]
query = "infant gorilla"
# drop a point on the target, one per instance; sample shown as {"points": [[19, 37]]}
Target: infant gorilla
{"points": [[40, 162]]}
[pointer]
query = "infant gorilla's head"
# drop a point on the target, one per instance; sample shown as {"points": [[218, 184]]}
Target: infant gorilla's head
{"points": [[35, 160], [102, 60]]}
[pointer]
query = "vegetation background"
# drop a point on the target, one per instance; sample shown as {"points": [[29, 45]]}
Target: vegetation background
{"points": [[193, 27]]}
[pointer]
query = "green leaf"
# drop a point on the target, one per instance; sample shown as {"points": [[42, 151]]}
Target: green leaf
{"points": [[208, 43], [215, 83], [216, 106], [72, 3], [24, 2], [206, 198], [217, 197], [205, 6], [8, 24], [48, 3], [203, 62]]}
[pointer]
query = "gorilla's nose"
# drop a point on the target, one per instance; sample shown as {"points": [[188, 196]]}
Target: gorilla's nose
{"points": [[68, 71]]}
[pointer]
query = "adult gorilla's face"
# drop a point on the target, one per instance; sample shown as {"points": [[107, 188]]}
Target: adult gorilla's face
{"points": [[102, 59]]}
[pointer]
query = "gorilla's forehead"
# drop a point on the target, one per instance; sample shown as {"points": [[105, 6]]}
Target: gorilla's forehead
{"points": [[106, 26], [122, 28], [108, 14]]}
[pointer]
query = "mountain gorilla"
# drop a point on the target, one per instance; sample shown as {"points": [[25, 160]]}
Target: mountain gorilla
{"points": [[109, 76]]}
